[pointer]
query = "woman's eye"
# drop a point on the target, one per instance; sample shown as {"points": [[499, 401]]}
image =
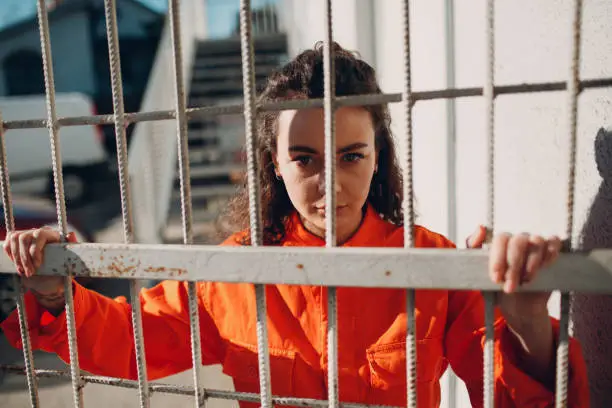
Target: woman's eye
{"points": [[352, 157], [303, 160]]}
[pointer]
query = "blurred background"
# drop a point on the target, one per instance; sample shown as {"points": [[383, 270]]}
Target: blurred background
{"points": [[448, 50]]}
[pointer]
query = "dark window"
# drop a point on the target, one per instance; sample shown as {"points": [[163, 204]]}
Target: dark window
{"points": [[23, 73]]}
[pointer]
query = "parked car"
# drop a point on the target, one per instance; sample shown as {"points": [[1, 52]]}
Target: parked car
{"points": [[84, 158], [30, 213]]}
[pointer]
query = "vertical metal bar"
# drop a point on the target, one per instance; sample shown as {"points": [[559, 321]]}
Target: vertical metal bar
{"points": [[126, 198], [488, 93], [573, 91], [451, 154], [9, 222], [60, 203], [407, 102], [52, 125], [573, 88], [329, 91], [451, 131], [185, 180], [248, 80], [411, 356], [330, 140], [562, 353], [248, 83], [488, 353], [408, 210]]}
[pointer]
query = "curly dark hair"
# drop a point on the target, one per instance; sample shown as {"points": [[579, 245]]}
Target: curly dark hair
{"points": [[302, 78]]}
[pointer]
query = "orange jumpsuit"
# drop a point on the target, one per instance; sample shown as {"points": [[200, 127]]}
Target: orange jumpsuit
{"points": [[371, 335]]}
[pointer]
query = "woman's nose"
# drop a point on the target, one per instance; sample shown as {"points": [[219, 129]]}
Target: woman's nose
{"points": [[321, 183]]}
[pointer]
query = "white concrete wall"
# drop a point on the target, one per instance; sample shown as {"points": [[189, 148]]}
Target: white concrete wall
{"points": [[353, 27], [532, 40], [532, 45], [71, 74]]}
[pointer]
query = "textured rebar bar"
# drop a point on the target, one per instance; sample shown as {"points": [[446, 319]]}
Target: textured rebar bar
{"points": [[58, 183], [112, 35]]}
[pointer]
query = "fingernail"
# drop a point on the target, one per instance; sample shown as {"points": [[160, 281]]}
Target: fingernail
{"points": [[20, 270]]}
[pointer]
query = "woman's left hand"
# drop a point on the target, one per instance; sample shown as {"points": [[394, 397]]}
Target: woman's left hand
{"points": [[514, 260]]}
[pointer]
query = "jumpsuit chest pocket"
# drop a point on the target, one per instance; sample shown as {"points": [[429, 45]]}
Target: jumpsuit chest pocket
{"points": [[387, 363]]}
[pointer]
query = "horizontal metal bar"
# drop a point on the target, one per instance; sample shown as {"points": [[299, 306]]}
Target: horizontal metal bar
{"points": [[419, 268], [357, 100], [182, 389]]}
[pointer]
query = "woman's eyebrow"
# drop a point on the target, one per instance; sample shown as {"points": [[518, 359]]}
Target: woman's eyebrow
{"points": [[353, 146], [303, 149], [306, 149]]}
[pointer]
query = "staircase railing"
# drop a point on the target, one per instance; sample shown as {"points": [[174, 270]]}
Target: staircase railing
{"points": [[153, 149]]}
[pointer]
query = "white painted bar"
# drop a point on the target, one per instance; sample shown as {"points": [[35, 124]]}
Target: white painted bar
{"points": [[418, 268]]}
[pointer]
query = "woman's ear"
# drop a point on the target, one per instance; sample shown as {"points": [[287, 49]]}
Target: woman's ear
{"points": [[275, 163]]}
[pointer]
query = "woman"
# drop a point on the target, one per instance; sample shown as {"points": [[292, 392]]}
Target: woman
{"points": [[371, 322]]}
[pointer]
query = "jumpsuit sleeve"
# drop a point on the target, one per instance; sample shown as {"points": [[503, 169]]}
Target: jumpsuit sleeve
{"points": [[105, 332], [464, 346]]}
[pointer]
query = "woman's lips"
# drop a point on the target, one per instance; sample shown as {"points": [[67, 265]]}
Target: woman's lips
{"points": [[339, 208]]}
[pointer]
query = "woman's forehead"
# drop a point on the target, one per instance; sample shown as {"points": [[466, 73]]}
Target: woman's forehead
{"points": [[307, 127]]}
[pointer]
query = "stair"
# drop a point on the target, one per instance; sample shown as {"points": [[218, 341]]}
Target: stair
{"points": [[216, 144]]}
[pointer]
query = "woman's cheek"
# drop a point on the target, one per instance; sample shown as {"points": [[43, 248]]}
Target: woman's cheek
{"points": [[359, 180], [302, 192]]}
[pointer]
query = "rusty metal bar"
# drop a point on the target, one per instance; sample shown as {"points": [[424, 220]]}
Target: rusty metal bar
{"points": [[58, 181], [589, 272], [489, 95], [563, 354], [124, 183], [185, 182], [184, 390], [411, 353], [9, 222], [408, 208], [250, 112], [489, 350], [329, 92], [573, 90]]}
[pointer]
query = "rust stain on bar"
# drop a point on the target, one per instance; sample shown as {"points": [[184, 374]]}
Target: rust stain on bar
{"points": [[117, 266], [163, 269]]}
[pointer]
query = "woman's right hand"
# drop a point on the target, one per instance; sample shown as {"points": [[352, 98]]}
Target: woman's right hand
{"points": [[26, 250]]}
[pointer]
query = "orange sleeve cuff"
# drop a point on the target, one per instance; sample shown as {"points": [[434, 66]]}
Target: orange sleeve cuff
{"points": [[525, 391], [45, 330]]}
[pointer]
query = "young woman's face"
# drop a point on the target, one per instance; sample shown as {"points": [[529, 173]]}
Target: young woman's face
{"points": [[300, 161]]}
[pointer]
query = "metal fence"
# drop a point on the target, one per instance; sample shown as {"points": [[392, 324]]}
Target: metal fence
{"points": [[332, 267]]}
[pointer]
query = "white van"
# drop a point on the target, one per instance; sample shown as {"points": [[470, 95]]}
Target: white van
{"points": [[84, 158]]}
